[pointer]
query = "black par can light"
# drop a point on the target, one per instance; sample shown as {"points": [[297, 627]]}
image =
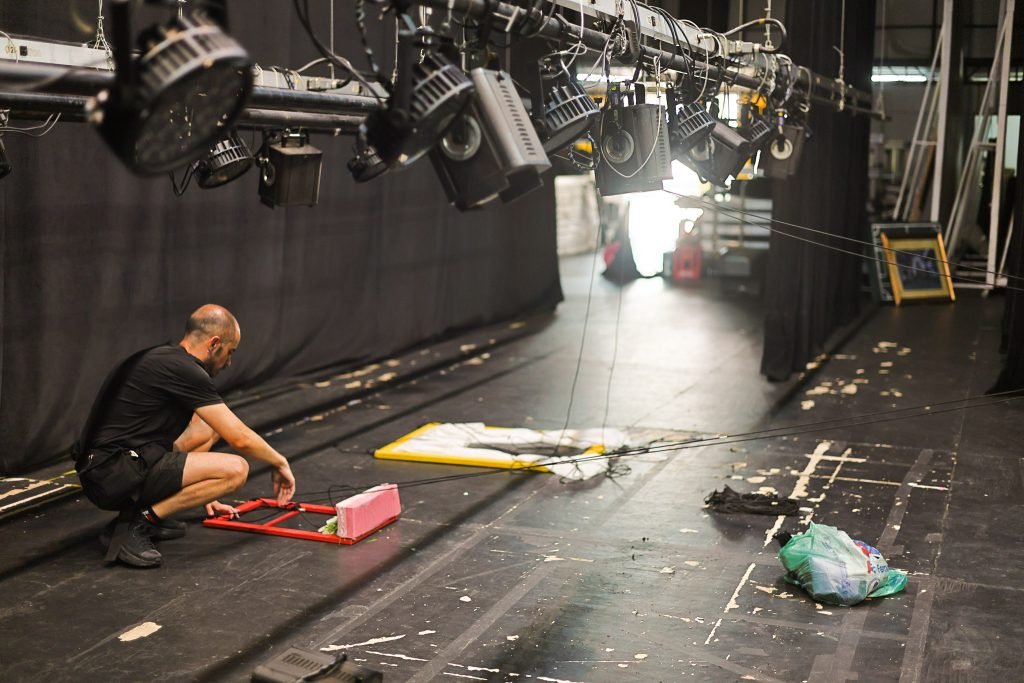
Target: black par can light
{"points": [[170, 104], [566, 111], [429, 92], [229, 160]]}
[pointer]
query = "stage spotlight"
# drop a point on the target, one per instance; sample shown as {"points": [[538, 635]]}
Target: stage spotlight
{"points": [[5, 162], [634, 147], [688, 124], [366, 164], [429, 93], [172, 102], [295, 666], [566, 111], [721, 156], [758, 134], [491, 149], [724, 153], [290, 171], [781, 158], [229, 159]]}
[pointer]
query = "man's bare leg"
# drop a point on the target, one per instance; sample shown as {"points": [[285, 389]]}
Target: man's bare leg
{"points": [[207, 476], [198, 437]]}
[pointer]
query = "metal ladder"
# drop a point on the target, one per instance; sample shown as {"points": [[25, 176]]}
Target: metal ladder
{"points": [[993, 103], [922, 148]]}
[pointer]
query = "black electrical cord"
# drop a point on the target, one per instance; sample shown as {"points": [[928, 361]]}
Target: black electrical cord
{"points": [[360, 16], [302, 11], [761, 22]]}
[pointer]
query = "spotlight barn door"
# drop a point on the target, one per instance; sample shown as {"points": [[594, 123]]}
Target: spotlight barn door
{"points": [[634, 147], [492, 149]]}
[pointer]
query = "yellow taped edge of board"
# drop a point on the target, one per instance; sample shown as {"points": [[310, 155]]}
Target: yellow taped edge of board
{"points": [[391, 452]]}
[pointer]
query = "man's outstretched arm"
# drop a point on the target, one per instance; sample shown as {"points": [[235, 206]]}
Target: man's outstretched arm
{"points": [[250, 444]]}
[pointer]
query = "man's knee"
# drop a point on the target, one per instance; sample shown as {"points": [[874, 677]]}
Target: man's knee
{"points": [[237, 472]]}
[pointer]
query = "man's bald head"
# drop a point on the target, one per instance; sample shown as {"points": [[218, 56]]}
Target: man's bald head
{"points": [[209, 321]]}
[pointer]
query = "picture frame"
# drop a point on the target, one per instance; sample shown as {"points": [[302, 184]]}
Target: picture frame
{"points": [[918, 268]]}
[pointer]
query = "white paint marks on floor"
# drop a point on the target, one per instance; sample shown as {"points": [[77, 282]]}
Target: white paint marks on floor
{"points": [[555, 680], [667, 570], [640, 656], [372, 641], [692, 563], [688, 531], [140, 631], [849, 389], [511, 638], [425, 633], [481, 668], [736, 593], [474, 678], [396, 656], [732, 601], [806, 405], [466, 598]]}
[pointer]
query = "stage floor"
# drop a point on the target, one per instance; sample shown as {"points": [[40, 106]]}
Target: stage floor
{"points": [[518, 576]]}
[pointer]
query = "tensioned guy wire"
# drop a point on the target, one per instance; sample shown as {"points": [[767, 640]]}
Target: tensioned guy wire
{"points": [[725, 439], [738, 213]]}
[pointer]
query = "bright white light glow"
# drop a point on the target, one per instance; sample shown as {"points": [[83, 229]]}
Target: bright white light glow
{"points": [[898, 78], [655, 218]]}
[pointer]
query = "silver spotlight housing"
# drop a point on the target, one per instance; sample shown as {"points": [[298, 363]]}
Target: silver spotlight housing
{"points": [[634, 146], [491, 149]]}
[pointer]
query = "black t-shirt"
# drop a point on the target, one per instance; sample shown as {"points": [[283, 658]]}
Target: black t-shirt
{"points": [[155, 400]]}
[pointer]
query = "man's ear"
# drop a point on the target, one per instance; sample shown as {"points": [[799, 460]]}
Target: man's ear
{"points": [[215, 343]]}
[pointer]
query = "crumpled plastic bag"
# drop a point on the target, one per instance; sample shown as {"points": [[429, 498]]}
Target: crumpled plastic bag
{"points": [[834, 568]]}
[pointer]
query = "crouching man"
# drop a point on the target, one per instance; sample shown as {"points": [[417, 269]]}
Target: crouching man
{"points": [[144, 450]]}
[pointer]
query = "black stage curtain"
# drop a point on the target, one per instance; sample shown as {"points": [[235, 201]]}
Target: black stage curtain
{"points": [[1012, 340], [97, 263], [810, 290]]}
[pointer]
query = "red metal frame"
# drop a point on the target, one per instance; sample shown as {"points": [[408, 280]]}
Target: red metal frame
{"points": [[292, 509]]}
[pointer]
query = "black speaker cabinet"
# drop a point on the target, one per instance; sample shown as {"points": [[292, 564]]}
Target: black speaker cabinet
{"points": [[492, 149], [634, 146], [291, 174]]}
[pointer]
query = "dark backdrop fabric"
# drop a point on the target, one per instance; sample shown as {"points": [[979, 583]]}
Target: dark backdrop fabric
{"points": [[97, 263], [810, 290], [1012, 339]]}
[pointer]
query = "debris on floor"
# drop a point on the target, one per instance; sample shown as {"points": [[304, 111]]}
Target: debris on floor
{"points": [[729, 501], [834, 568]]}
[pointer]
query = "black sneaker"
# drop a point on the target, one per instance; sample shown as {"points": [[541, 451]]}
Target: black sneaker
{"points": [[167, 529], [137, 547]]}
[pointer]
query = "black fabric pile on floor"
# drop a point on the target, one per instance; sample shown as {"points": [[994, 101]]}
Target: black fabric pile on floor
{"points": [[729, 501]]}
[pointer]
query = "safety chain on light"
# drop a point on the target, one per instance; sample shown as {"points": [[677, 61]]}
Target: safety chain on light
{"points": [[101, 39], [841, 80]]}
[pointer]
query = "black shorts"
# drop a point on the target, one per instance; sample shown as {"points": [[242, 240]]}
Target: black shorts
{"points": [[163, 476], [145, 475]]}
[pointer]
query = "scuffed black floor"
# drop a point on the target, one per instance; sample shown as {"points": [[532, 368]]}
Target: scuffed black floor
{"points": [[513, 577]]}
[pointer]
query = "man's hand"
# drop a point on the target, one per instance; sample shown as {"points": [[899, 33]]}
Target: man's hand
{"points": [[284, 483], [217, 508]]}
